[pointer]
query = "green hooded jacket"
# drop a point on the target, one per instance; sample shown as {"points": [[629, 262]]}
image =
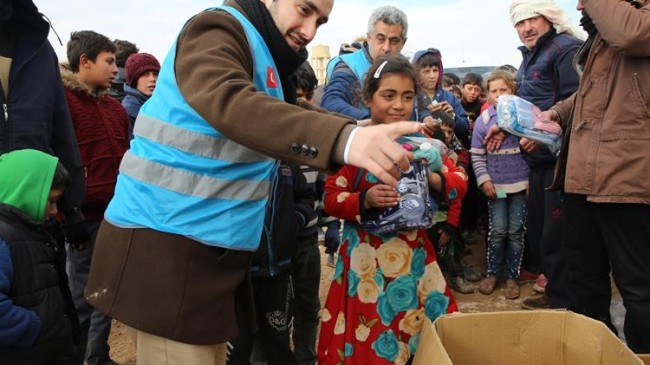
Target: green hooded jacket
{"points": [[26, 180]]}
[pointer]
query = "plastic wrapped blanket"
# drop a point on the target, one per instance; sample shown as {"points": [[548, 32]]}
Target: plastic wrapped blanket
{"points": [[415, 209], [522, 118]]}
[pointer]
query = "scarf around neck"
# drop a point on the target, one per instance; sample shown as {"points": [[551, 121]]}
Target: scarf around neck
{"points": [[286, 59]]}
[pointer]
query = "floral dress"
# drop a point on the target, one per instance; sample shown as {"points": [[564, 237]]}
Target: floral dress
{"points": [[383, 286]]}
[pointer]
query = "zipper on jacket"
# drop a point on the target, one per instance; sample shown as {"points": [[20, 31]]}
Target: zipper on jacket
{"points": [[5, 109]]}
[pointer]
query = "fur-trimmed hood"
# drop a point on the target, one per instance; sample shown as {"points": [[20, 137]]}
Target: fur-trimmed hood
{"points": [[71, 81]]}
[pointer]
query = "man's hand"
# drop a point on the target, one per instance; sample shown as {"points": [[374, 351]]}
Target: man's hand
{"points": [[528, 145], [493, 138], [381, 196], [364, 122], [551, 116], [374, 149]]}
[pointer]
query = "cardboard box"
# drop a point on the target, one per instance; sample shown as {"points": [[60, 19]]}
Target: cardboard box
{"points": [[645, 359], [520, 338]]}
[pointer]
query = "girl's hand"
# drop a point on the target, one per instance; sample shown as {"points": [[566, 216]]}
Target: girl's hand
{"points": [[528, 145], [381, 196], [489, 190]]}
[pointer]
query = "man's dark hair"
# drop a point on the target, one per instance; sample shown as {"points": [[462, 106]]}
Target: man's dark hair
{"points": [[123, 51], [89, 43], [61, 177], [306, 78], [472, 79]]}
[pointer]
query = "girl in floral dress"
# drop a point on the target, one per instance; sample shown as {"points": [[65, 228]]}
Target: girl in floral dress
{"points": [[384, 286]]}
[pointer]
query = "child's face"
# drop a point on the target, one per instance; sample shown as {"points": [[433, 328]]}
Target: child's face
{"points": [[306, 95], [449, 133], [496, 88], [470, 92], [428, 77], [393, 100], [100, 73], [50, 206], [147, 82]]}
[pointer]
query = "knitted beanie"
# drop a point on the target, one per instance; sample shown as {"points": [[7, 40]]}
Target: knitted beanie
{"points": [[137, 65]]}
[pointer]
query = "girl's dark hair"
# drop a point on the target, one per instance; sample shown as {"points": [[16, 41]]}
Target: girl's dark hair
{"points": [[61, 177], [395, 65]]}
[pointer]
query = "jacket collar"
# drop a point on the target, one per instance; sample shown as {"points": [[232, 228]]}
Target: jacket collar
{"points": [[71, 81]]}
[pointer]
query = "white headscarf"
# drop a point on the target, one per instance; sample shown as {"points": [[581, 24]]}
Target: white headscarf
{"points": [[526, 9]]}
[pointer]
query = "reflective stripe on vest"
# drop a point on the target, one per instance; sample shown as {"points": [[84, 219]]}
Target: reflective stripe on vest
{"points": [[182, 176]]}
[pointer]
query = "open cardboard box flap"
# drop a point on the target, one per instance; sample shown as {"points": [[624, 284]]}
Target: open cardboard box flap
{"points": [[521, 337]]}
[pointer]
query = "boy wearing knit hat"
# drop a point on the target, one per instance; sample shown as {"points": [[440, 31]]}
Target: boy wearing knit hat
{"points": [[37, 315], [141, 76]]}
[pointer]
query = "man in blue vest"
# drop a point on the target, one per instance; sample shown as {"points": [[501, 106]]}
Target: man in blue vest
{"points": [[173, 254], [387, 30]]}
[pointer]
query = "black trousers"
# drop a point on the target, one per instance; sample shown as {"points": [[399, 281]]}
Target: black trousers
{"points": [[270, 344], [600, 237], [544, 248]]}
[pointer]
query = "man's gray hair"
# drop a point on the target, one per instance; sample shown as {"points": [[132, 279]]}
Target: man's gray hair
{"points": [[389, 15]]}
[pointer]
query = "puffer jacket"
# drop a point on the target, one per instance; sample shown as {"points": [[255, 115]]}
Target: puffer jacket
{"points": [[102, 129], [36, 306], [607, 144]]}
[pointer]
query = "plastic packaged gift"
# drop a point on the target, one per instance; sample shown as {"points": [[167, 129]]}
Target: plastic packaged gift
{"points": [[522, 118], [415, 209]]}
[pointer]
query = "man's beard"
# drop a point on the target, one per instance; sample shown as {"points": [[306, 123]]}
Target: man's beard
{"points": [[588, 25]]}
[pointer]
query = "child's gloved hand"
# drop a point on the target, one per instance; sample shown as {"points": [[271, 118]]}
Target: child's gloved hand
{"points": [[432, 155]]}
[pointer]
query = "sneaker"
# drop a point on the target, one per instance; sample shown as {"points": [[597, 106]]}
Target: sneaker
{"points": [[540, 284], [331, 262], [536, 302], [526, 276], [459, 284], [470, 274]]}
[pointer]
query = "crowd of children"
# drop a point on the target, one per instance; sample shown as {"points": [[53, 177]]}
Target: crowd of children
{"points": [[384, 286]]}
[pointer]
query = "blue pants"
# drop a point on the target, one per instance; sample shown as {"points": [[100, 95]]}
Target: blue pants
{"points": [[507, 217], [95, 326]]}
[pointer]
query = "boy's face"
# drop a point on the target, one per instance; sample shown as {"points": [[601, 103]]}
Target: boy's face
{"points": [[298, 20], [147, 82], [428, 77], [50, 206], [100, 73], [449, 133], [308, 96], [470, 92], [393, 101]]}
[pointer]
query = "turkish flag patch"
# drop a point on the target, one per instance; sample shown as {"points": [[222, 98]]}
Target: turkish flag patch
{"points": [[271, 78]]}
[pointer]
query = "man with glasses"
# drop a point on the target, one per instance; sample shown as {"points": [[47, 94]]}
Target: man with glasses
{"points": [[387, 29]]}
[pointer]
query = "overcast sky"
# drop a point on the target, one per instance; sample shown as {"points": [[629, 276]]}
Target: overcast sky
{"points": [[468, 32]]}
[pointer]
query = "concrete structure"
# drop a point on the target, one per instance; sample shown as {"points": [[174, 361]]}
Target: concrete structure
{"points": [[319, 57]]}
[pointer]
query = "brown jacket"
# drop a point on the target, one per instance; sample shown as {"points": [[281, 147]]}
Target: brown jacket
{"points": [[169, 285], [608, 154]]}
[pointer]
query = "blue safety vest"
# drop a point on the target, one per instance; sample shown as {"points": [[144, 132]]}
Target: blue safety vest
{"points": [[356, 61], [182, 176]]}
